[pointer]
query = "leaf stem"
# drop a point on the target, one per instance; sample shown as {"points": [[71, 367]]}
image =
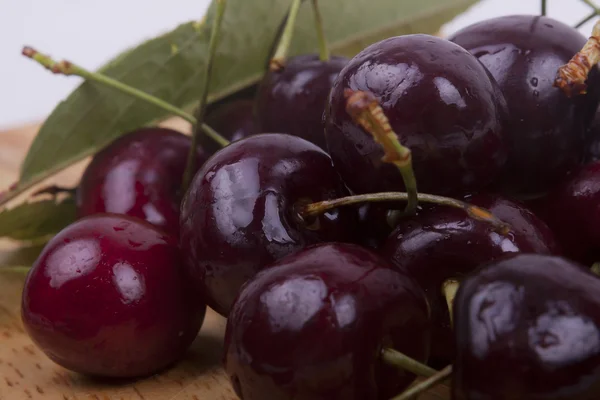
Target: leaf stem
{"points": [[396, 359], [68, 68], [366, 111], [428, 383], [278, 60], [201, 112], [478, 213], [323, 49], [571, 77], [449, 289]]}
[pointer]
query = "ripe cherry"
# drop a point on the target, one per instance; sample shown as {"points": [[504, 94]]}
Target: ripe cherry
{"points": [[444, 243], [108, 297], [527, 328], [441, 103], [233, 120], [240, 211], [139, 174], [547, 129], [312, 326], [292, 99], [571, 210]]}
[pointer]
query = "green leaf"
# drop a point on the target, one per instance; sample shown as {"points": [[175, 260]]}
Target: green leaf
{"points": [[170, 67], [37, 220]]}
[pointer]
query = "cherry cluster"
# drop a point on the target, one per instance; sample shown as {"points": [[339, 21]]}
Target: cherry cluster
{"points": [[301, 232]]}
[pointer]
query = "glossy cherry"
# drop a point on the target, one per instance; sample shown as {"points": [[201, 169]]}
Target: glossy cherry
{"points": [[139, 174], [108, 297], [240, 212], [233, 120], [313, 324], [444, 243], [547, 129], [441, 103], [293, 98], [593, 140], [527, 328], [571, 210]]}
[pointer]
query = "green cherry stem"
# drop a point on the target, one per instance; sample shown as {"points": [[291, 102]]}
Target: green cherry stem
{"points": [[425, 385], [595, 268], [323, 49], [396, 359], [478, 213], [365, 110], [449, 289], [15, 269], [591, 5], [278, 60], [68, 68], [544, 8], [585, 20], [201, 112]]}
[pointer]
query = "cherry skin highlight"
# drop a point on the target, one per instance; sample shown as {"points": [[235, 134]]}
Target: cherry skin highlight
{"points": [[240, 212], [108, 297], [292, 99], [312, 326], [234, 121], [444, 243], [546, 135], [527, 329], [138, 174], [441, 103]]}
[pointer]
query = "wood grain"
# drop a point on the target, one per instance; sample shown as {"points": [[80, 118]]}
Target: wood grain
{"points": [[26, 373]]}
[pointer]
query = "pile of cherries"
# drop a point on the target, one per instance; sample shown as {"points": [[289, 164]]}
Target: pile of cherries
{"points": [[314, 301]]}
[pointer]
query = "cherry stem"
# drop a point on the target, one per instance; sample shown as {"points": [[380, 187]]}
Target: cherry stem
{"points": [[544, 8], [592, 6], [425, 385], [572, 76], [396, 359], [449, 289], [585, 20], [323, 49], [278, 60], [365, 110], [595, 268], [478, 213], [68, 68], [201, 112]]}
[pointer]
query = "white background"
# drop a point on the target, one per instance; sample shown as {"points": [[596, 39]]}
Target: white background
{"points": [[90, 32]]}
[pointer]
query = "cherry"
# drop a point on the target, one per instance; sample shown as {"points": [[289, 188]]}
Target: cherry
{"points": [[138, 174], [571, 210], [108, 297], [312, 326], [233, 120], [547, 129], [292, 99], [444, 243], [441, 103], [593, 139], [527, 328], [240, 211]]}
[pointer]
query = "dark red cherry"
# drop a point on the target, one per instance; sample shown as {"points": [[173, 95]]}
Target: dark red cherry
{"points": [[233, 120], [312, 326], [593, 140], [139, 174], [292, 99], [440, 102], [108, 297], [527, 328], [572, 211], [547, 129], [444, 243], [240, 212]]}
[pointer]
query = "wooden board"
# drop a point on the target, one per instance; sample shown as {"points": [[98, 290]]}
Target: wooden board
{"points": [[26, 373]]}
